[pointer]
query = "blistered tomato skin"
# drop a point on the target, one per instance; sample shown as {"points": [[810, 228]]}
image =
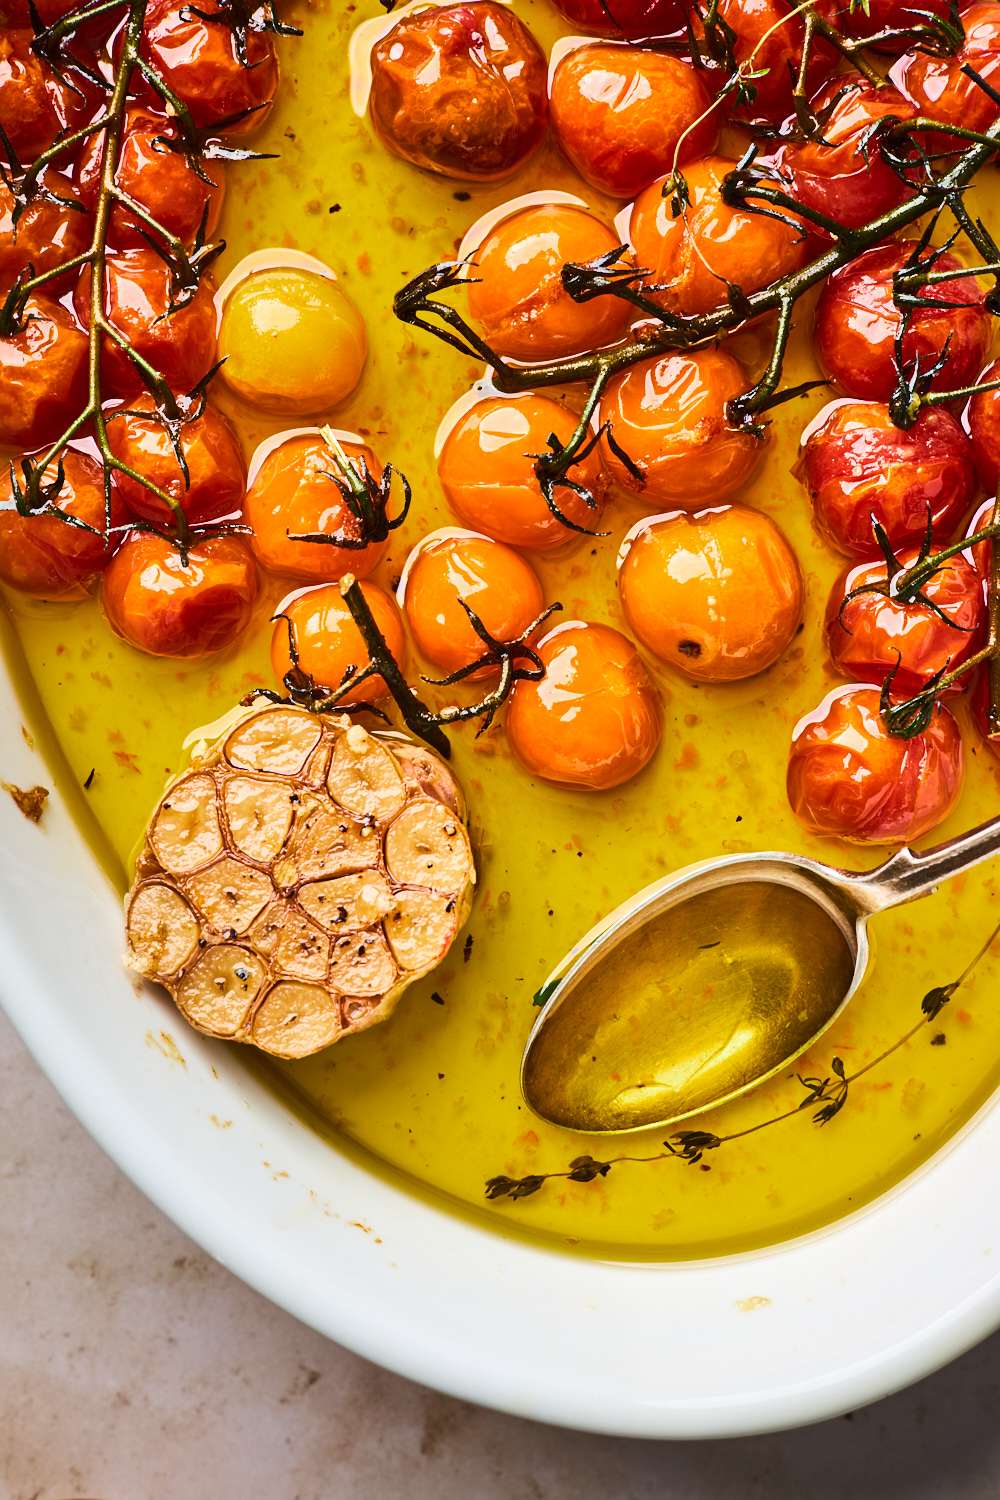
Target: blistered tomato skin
{"points": [[691, 258], [856, 461], [632, 19], [780, 54], [328, 642], [165, 608], [293, 491], [496, 582], [848, 778], [34, 105], [938, 88], [857, 321], [460, 90], [718, 595], [982, 550], [293, 342], [48, 558], [594, 719], [982, 421], [197, 58], [488, 476], [669, 416], [883, 15], [981, 711], [43, 375], [48, 234], [618, 114], [519, 302], [180, 345], [873, 636], [217, 473]]}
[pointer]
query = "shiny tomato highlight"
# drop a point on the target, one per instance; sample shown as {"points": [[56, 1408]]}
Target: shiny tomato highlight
{"points": [[329, 643], [631, 19], [770, 33], [51, 559], [982, 421], [196, 56], [43, 375], [937, 87], [216, 472], [48, 234], [980, 702], [156, 603]]}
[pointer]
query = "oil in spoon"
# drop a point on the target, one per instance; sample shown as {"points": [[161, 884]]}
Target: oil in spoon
{"points": [[697, 1003]]}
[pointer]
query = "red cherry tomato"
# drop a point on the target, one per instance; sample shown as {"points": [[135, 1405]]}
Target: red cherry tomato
{"points": [[937, 87], [873, 636], [487, 473], [982, 421], [849, 778], [216, 472], [519, 301], [981, 552], [43, 375], [855, 461], [180, 345], [495, 581], [594, 719], [161, 181], [165, 608], [48, 234], [460, 90], [691, 258], [52, 559], [981, 711], [769, 37], [886, 15], [294, 491], [34, 104], [619, 114], [670, 416], [857, 321], [198, 60], [329, 643], [631, 19]]}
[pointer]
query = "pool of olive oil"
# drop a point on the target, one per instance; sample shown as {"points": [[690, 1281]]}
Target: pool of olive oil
{"points": [[432, 1098]]}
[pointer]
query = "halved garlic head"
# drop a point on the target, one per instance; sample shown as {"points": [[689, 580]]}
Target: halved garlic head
{"points": [[297, 878]]}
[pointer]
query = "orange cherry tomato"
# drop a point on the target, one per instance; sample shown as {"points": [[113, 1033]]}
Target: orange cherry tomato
{"points": [[180, 344], [493, 580], [849, 778], [981, 711], [857, 321], [519, 302], [43, 375], [49, 558], [619, 114], [939, 89], [196, 56], [460, 90], [165, 608], [631, 19], [669, 415], [594, 719], [47, 234], [717, 594], [329, 643], [487, 473], [855, 462], [982, 551], [873, 636], [216, 471], [295, 491], [691, 258], [34, 104], [161, 181], [982, 420], [771, 34]]}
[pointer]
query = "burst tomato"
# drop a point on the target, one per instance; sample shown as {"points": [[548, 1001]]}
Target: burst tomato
{"points": [[35, 105], [594, 719], [43, 375], [52, 559], [216, 472], [48, 234], [329, 643], [768, 38], [194, 52], [849, 778], [937, 87], [460, 90], [165, 608]]}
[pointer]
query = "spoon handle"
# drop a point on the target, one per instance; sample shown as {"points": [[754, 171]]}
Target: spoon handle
{"points": [[908, 875]]}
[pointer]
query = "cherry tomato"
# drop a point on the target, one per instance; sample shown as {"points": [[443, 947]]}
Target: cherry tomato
{"points": [[180, 344], [519, 302], [166, 609], [849, 778], [717, 594], [770, 33], [857, 321], [980, 701], [619, 114], [15, 13], [329, 643], [982, 420], [831, 175], [981, 552], [937, 87], [885, 15], [197, 58], [460, 90], [161, 181], [216, 471], [49, 558], [487, 472], [293, 342], [495, 581], [594, 719], [631, 19], [691, 258], [294, 491], [34, 104], [873, 636], [669, 415], [48, 234], [43, 375], [855, 460]]}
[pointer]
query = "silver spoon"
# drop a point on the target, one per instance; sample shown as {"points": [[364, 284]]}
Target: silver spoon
{"points": [[710, 981]]}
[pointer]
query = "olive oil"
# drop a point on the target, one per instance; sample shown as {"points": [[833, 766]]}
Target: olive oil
{"points": [[432, 1097]]}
